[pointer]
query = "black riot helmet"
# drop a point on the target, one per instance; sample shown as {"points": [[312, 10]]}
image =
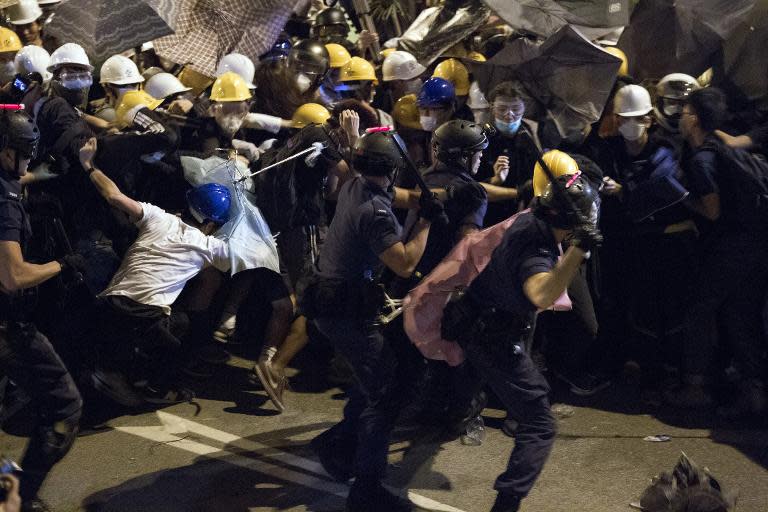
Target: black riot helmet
{"points": [[377, 154], [458, 140], [311, 59], [553, 208], [330, 16], [18, 132]]}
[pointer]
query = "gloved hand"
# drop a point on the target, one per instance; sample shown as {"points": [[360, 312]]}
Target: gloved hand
{"points": [[73, 266], [586, 237], [468, 196], [431, 209], [311, 159], [247, 149]]}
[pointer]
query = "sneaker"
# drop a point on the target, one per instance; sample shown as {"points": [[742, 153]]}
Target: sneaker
{"points": [[35, 505], [167, 396], [198, 369], [373, 497], [213, 354], [115, 386], [506, 503], [688, 396], [225, 332], [332, 459], [584, 384], [274, 383]]}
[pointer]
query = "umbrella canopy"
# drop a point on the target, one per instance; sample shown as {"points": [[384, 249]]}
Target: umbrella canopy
{"points": [[206, 30], [679, 36], [744, 57], [438, 28], [108, 27], [569, 77], [594, 18]]}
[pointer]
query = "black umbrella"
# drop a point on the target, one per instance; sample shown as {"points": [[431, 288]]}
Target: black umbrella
{"points": [[108, 27], [567, 75], [679, 36], [745, 59], [438, 28], [594, 18]]}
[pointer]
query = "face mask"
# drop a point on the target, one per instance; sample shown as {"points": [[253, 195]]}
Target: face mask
{"points": [[75, 97], [7, 72], [632, 130], [428, 123], [508, 128], [230, 123], [674, 109], [74, 84], [303, 82]]}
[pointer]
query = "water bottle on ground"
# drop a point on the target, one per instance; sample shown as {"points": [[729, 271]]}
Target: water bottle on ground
{"points": [[475, 432]]}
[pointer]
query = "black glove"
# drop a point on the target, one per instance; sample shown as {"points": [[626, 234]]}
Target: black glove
{"points": [[467, 197], [431, 208], [73, 267], [586, 237]]}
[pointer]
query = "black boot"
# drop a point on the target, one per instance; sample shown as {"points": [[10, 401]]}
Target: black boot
{"points": [[337, 460], [370, 496], [506, 503]]}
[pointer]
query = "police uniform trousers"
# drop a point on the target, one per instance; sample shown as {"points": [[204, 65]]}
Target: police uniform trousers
{"points": [[30, 361]]}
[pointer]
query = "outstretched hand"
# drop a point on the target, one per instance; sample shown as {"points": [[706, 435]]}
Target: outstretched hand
{"points": [[87, 152]]}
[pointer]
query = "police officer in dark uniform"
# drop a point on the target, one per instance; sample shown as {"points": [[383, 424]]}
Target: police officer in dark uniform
{"points": [[364, 234], [493, 316], [330, 26], [26, 356]]}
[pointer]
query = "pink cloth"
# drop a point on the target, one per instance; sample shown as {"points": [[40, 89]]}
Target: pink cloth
{"points": [[423, 306]]}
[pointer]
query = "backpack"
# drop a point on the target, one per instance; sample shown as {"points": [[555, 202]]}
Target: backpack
{"points": [[748, 178]]}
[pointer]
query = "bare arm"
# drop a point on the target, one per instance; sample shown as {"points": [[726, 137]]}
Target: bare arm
{"points": [[402, 258], [739, 141], [497, 194], [544, 288], [106, 187], [17, 274]]}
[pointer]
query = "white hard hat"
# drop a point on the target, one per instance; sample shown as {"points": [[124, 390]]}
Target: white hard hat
{"points": [[119, 70], [162, 85], [400, 65], [26, 11], [477, 99], [33, 59], [631, 101], [69, 53], [237, 63], [676, 86]]}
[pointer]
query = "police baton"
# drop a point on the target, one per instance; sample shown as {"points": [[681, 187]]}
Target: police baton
{"points": [[63, 240]]}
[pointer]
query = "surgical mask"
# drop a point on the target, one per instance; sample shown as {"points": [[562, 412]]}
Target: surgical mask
{"points": [[230, 123], [632, 130], [7, 72], [428, 123], [508, 127], [303, 82], [75, 97], [673, 109]]}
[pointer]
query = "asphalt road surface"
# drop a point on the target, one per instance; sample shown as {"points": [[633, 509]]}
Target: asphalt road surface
{"points": [[237, 454]]}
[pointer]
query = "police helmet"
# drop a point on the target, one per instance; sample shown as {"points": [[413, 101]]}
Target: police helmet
{"points": [[209, 203], [458, 139], [18, 132], [309, 56], [377, 154], [330, 16], [553, 208]]}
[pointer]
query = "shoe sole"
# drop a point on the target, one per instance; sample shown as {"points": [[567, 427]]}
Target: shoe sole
{"points": [[105, 389], [267, 385]]}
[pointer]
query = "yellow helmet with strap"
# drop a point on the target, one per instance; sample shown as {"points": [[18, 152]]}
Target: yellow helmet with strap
{"points": [[9, 41], [559, 163], [230, 87], [358, 69], [309, 113]]}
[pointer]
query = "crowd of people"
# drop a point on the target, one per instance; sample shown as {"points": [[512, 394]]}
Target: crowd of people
{"points": [[153, 219]]}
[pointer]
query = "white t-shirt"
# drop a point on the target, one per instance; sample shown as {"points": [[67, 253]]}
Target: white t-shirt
{"points": [[166, 254]]}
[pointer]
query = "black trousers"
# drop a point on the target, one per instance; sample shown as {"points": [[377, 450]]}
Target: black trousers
{"points": [[29, 360]]}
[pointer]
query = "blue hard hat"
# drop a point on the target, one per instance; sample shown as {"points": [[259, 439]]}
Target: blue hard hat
{"points": [[436, 92], [279, 50], [209, 202]]}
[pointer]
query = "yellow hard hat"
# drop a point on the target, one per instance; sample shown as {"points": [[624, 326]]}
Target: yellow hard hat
{"points": [[196, 81], [358, 69], [340, 57], [476, 56], [309, 113], [616, 52], [129, 102], [456, 73], [559, 163], [230, 87], [386, 52], [406, 113], [9, 41]]}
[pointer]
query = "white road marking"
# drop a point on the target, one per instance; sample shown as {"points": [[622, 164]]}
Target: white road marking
{"points": [[173, 429]]}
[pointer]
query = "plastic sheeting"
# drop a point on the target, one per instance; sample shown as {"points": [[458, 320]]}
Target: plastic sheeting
{"points": [[250, 240], [438, 28]]}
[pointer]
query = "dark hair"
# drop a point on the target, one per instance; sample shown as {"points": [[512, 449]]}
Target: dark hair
{"points": [[276, 91], [710, 107], [508, 90], [367, 115]]}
